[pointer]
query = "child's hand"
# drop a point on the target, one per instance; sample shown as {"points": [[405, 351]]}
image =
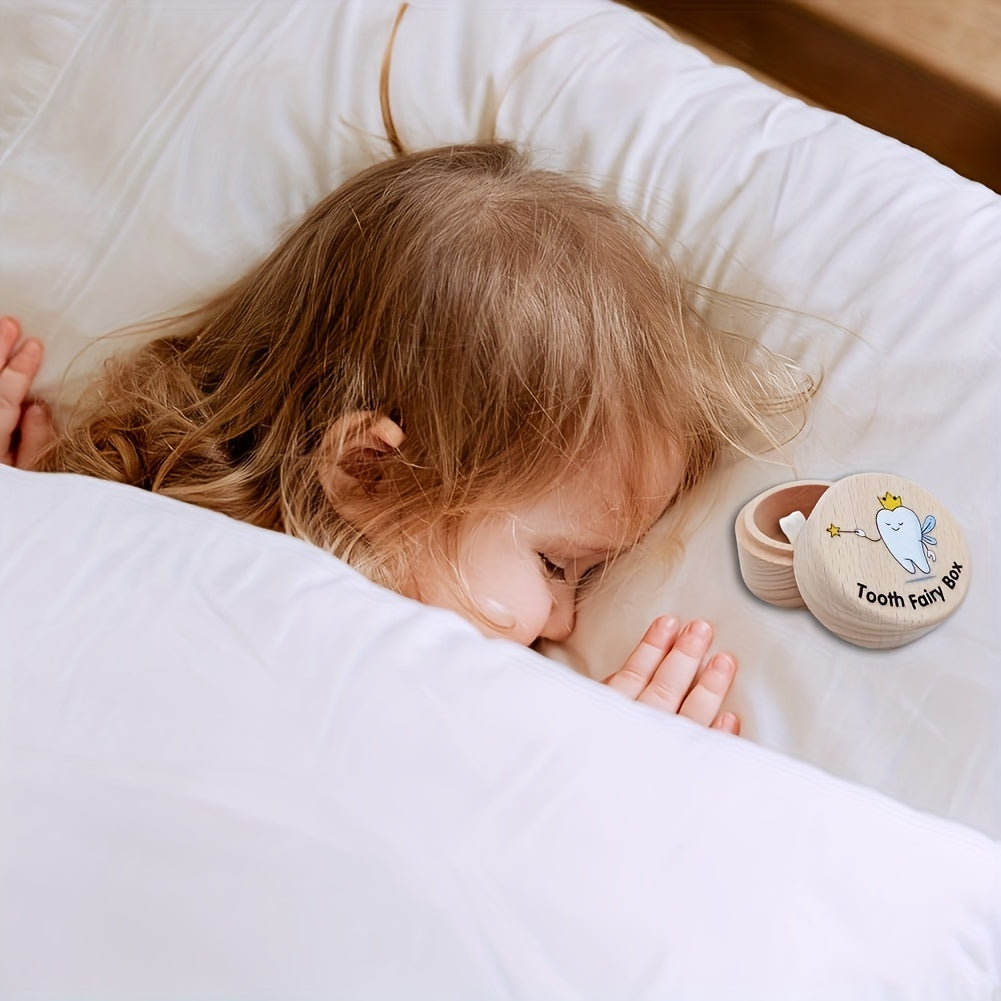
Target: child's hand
{"points": [[666, 670], [25, 427]]}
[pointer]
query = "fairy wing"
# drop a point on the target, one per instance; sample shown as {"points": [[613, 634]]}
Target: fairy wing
{"points": [[929, 524]]}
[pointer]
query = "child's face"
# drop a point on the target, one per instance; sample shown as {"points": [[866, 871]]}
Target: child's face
{"points": [[522, 568]]}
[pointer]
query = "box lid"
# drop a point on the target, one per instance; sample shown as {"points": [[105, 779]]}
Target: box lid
{"points": [[879, 561]]}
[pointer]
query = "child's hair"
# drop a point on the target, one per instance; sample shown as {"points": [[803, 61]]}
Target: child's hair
{"points": [[513, 322]]}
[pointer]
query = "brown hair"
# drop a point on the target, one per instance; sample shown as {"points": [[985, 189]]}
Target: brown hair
{"points": [[513, 322]]}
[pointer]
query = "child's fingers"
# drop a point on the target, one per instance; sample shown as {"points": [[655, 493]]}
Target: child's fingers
{"points": [[673, 678], [10, 332], [703, 702], [10, 409], [9, 416], [37, 431], [20, 369], [728, 723], [668, 671], [633, 677]]}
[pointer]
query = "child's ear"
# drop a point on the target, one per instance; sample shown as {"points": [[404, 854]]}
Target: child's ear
{"points": [[355, 448]]}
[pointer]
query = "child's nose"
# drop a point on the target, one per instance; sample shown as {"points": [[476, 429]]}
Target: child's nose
{"points": [[561, 619]]}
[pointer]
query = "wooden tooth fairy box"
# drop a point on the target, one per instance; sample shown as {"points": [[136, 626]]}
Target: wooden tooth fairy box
{"points": [[876, 558]]}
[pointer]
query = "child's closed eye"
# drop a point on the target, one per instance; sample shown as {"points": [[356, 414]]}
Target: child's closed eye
{"points": [[569, 571], [552, 569]]}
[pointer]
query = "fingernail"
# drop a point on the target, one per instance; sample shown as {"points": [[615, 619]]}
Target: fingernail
{"points": [[727, 722], [725, 663], [662, 632], [666, 624], [699, 629]]}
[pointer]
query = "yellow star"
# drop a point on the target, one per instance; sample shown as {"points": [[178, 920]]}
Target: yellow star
{"points": [[833, 529]]}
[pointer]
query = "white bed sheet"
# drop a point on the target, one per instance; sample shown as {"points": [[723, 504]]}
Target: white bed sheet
{"points": [[148, 152]]}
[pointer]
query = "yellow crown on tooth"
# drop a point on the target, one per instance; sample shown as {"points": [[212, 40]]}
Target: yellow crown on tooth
{"points": [[889, 502]]}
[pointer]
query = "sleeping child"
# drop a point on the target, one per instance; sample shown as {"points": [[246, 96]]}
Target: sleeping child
{"points": [[475, 381]]}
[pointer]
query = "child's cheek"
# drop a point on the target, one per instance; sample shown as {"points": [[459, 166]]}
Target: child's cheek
{"points": [[520, 607]]}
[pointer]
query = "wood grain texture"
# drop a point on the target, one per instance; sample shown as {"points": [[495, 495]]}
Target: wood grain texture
{"points": [[881, 561], [957, 40], [764, 553]]}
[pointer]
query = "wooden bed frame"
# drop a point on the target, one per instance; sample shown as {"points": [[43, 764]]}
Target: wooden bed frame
{"points": [[927, 73]]}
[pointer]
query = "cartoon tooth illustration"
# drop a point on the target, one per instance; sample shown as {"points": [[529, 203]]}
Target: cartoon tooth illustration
{"points": [[905, 536]]}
